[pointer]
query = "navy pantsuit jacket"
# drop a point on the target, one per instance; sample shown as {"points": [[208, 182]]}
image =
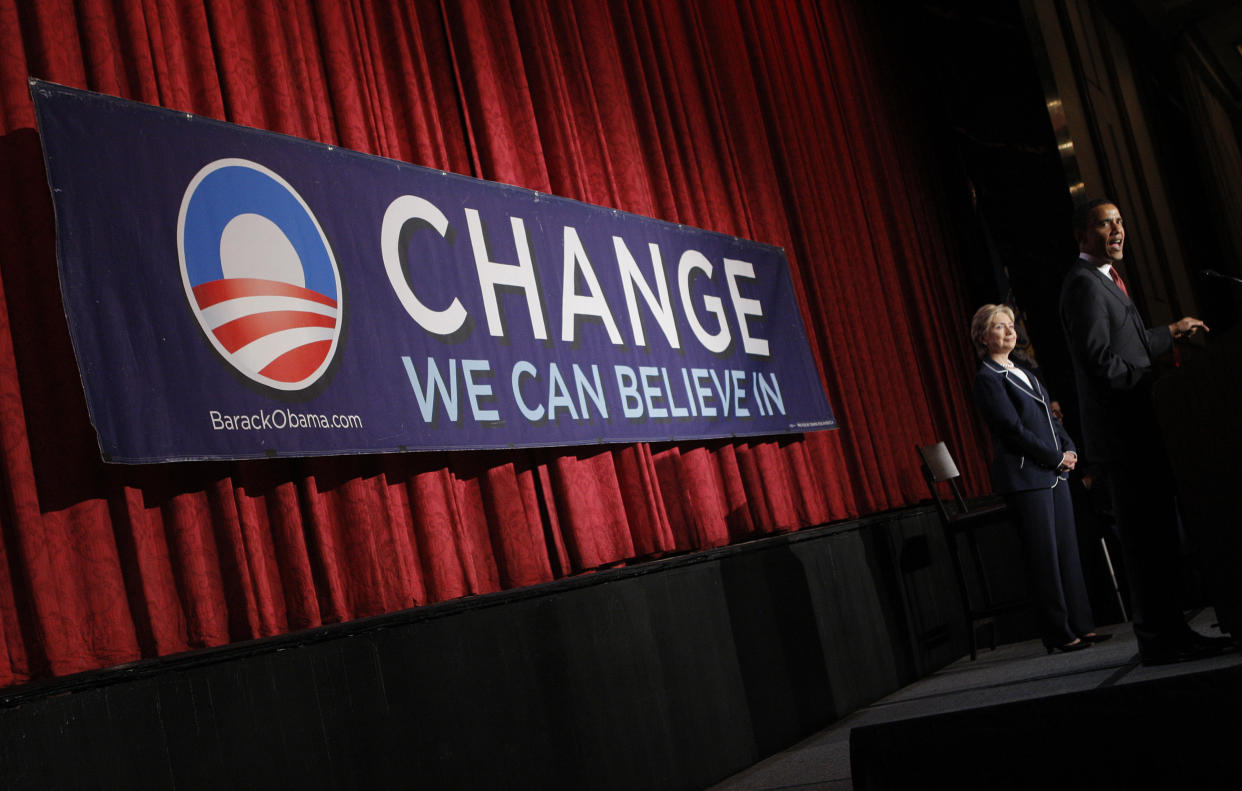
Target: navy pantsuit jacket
{"points": [[1027, 443]]}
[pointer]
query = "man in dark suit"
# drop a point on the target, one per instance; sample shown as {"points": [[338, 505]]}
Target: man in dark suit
{"points": [[1113, 356]]}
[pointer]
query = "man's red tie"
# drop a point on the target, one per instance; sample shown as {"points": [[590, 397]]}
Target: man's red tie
{"points": [[1112, 271]]}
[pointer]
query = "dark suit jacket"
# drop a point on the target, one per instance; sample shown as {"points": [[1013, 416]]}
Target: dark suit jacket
{"points": [[1027, 443], [1113, 354]]}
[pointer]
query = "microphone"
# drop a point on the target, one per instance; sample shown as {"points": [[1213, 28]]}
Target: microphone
{"points": [[1217, 275]]}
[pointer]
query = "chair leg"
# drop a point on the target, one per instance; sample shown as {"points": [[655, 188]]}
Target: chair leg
{"points": [[963, 593], [985, 586]]}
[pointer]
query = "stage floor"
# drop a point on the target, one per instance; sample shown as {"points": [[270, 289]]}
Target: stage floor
{"points": [[1010, 674]]}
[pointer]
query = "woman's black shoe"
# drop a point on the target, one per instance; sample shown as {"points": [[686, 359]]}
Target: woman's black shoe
{"points": [[1095, 638], [1077, 645]]}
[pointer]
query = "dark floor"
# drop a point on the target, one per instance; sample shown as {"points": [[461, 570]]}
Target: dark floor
{"points": [[1016, 672]]}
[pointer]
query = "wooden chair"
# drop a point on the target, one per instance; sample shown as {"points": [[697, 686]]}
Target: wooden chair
{"points": [[960, 521]]}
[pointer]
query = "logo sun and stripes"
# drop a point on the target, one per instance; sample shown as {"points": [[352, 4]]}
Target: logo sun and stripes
{"points": [[259, 274]]}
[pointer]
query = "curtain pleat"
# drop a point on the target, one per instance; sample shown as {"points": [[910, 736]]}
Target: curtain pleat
{"points": [[781, 121]]}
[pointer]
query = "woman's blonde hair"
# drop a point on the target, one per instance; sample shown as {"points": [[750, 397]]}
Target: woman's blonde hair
{"points": [[982, 321]]}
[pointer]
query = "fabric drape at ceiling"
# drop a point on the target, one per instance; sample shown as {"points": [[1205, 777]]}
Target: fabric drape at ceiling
{"points": [[779, 121]]}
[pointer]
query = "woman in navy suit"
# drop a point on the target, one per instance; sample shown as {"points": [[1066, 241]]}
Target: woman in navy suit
{"points": [[1031, 459]]}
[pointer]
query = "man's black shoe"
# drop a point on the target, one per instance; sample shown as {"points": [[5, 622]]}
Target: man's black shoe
{"points": [[1222, 643], [1188, 648]]}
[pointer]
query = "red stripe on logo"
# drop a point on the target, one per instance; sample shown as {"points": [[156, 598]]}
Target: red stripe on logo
{"points": [[297, 364], [216, 291], [237, 333]]}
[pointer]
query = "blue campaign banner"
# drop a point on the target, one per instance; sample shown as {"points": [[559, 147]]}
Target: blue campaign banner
{"points": [[234, 293]]}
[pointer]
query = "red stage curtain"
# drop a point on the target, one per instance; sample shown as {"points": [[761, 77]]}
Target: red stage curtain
{"points": [[781, 121]]}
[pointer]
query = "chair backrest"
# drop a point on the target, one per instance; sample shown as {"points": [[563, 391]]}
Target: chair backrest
{"points": [[939, 462], [938, 467]]}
